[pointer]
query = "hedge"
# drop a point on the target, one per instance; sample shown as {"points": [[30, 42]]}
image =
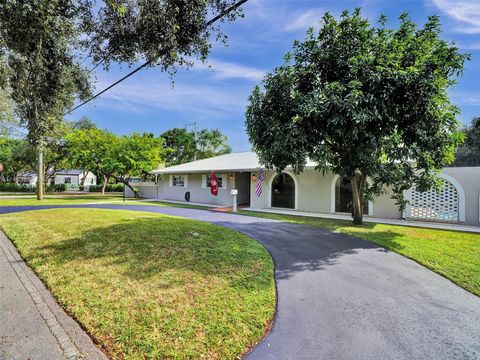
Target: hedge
{"points": [[108, 188], [13, 187]]}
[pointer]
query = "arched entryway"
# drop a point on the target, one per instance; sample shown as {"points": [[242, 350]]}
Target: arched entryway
{"points": [[342, 192], [283, 191]]}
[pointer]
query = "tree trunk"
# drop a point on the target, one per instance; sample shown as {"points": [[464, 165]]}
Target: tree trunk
{"points": [[357, 200], [125, 183], [104, 185], [40, 172]]}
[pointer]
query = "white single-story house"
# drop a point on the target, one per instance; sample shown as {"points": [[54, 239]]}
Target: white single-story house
{"points": [[26, 178], [72, 178], [310, 191]]}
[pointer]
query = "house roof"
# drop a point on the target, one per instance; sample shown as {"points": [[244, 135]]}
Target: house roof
{"points": [[69, 172], [241, 161]]}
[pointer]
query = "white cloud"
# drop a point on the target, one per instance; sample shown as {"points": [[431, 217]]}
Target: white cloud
{"points": [[228, 70], [183, 97], [471, 46], [302, 21], [466, 98], [466, 12]]}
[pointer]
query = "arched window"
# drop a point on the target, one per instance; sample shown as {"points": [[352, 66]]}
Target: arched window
{"points": [[283, 191], [343, 196]]}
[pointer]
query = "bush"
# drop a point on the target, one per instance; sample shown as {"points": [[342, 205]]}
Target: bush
{"points": [[13, 187], [56, 188], [108, 188]]}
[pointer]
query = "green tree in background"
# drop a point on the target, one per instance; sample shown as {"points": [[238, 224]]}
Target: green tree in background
{"points": [[110, 156], [17, 156], [212, 143], [38, 42], [180, 146], [183, 146], [92, 149], [136, 155], [365, 102], [469, 153], [84, 123]]}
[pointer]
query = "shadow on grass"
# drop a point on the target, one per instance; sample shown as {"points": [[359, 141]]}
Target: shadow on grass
{"points": [[144, 247]]}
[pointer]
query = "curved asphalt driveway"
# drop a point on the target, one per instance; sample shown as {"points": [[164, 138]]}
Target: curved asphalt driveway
{"points": [[340, 297]]}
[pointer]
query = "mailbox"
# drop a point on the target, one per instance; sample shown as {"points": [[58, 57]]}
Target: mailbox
{"points": [[234, 192]]}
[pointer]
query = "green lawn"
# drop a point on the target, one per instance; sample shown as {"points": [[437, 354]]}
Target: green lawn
{"points": [[61, 199], [453, 254], [148, 285]]}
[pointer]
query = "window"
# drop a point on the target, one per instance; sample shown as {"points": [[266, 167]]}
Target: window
{"points": [[219, 180], [67, 180], [178, 180]]}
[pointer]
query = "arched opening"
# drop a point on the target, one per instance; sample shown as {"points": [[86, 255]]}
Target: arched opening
{"points": [[283, 191], [343, 196], [447, 205]]}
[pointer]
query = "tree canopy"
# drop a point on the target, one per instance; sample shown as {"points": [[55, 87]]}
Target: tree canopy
{"points": [[110, 156], [183, 146], [365, 102], [469, 153]]}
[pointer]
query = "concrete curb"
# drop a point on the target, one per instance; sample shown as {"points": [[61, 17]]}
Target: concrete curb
{"points": [[73, 341]]}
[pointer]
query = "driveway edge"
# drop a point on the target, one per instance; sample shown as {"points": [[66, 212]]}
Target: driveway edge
{"points": [[73, 341]]}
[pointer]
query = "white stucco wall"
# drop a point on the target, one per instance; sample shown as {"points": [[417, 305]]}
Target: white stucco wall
{"points": [[468, 178], [60, 179], [197, 193], [315, 193]]}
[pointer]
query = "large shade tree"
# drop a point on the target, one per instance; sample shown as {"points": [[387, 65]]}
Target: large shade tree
{"points": [[38, 40], [366, 102], [40, 43]]}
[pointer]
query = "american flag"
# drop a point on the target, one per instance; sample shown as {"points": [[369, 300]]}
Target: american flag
{"points": [[258, 189]]}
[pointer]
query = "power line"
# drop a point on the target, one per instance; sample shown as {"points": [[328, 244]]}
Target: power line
{"points": [[210, 22]]}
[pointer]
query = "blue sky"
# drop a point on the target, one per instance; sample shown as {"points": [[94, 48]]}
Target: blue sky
{"points": [[216, 96]]}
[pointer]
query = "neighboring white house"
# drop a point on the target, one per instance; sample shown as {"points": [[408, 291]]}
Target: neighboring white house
{"points": [[72, 178], [27, 178], [311, 191]]}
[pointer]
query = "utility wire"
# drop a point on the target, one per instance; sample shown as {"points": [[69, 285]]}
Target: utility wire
{"points": [[210, 22]]}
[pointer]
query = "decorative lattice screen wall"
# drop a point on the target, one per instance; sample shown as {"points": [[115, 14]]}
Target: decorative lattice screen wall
{"points": [[430, 205]]}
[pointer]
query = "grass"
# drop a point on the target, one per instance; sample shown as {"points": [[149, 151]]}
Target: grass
{"points": [[452, 254], [148, 285], [60, 200]]}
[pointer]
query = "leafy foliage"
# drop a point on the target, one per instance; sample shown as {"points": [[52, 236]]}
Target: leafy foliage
{"points": [[363, 102], [182, 146], [110, 156], [39, 60], [167, 33], [469, 153]]}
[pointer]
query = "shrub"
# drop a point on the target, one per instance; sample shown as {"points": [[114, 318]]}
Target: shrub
{"points": [[108, 188], [56, 188], [13, 187]]}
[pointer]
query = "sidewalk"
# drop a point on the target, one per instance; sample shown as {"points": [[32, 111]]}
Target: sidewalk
{"points": [[371, 219], [33, 326]]}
